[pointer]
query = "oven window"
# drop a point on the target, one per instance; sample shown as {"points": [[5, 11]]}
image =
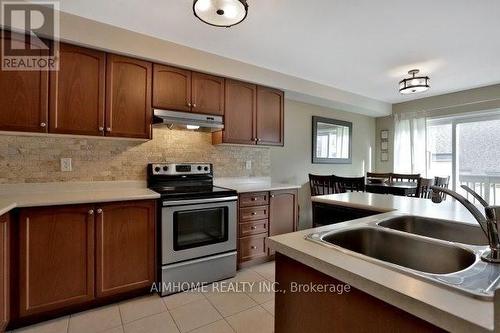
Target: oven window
{"points": [[194, 228]]}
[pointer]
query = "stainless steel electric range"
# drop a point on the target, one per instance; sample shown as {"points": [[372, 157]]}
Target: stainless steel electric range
{"points": [[197, 226]]}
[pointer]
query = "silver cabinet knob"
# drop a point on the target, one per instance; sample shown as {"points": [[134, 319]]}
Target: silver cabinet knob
{"points": [[272, 195], [101, 129], [253, 247], [91, 212], [189, 104], [99, 211], [254, 199], [43, 124], [254, 213], [108, 129], [253, 227], [194, 105]]}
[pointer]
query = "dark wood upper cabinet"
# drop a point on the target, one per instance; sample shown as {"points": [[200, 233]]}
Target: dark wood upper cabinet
{"points": [[56, 258], [171, 88], [23, 95], [240, 112], [128, 97], [207, 94], [77, 92], [125, 247], [4, 271], [270, 116]]}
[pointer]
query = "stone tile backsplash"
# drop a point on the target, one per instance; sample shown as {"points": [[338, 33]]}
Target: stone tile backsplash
{"points": [[37, 158]]}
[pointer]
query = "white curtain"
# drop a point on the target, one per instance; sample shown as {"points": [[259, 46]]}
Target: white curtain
{"points": [[410, 136]]}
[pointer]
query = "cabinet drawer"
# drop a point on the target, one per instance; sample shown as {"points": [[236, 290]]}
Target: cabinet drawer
{"points": [[254, 213], [254, 199], [252, 247], [253, 228]]}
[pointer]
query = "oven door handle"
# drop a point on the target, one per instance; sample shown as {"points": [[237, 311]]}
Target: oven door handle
{"points": [[197, 201]]}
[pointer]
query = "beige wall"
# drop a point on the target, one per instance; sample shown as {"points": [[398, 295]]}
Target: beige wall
{"points": [[37, 158], [473, 100], [292, 163]]}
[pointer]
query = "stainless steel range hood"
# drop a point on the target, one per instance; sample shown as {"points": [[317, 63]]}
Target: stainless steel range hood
{"points": [[188, 120]]}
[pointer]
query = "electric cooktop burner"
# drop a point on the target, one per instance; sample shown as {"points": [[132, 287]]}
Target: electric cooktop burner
{"points": [[185, 181]]}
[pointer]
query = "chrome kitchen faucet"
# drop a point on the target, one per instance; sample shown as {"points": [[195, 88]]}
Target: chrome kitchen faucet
{"points": [[489, 223]]}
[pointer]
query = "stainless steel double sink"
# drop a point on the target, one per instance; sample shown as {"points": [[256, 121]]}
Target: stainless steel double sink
{"points": [[439, 251]]}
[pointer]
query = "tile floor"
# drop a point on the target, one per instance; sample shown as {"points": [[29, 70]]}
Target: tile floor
{"points": [[201, 311]]}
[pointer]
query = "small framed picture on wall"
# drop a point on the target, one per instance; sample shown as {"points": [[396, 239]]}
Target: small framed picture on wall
{"points": [[384, 134], [384, 145], [384, 156]]}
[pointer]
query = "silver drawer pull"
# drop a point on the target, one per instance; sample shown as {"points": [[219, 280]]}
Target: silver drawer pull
{"points": [[254, 227], [253, 247], [254, 199], [254, 213], [91, 212]]}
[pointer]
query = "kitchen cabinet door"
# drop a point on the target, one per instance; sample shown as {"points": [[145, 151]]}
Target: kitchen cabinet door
{"points": [[171, 88], [128, 97], [270, 116], [56, 258], [240, 112], [4, 271], [77, 92], [283, 212], [23, 95], [125, 247], [207, 94]]}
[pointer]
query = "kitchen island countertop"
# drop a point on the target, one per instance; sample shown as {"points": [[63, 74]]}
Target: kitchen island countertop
{"points": [[443, 307]]}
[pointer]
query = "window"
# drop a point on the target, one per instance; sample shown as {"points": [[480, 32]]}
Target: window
{"points": [[468, 149]]}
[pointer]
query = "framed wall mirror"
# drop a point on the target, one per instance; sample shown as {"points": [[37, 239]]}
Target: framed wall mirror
{"points": [[331, 141]]}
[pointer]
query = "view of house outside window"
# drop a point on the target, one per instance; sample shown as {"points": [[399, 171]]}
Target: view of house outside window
{"points": [[477, 156]]}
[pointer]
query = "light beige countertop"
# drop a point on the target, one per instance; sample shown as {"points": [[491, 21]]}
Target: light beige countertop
{"points": [[449, 209], [252, 184], [65, 193], [444, 307]]}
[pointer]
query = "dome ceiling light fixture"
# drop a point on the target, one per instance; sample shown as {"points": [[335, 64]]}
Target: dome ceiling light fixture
{"points": [[414, 84], [220, 13]]}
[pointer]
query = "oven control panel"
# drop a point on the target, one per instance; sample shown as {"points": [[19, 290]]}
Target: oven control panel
{"points": [[173, 169]]}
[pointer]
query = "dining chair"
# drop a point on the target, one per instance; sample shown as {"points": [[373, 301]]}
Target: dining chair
{"points": [[401, 177], [443, 182], [424, 188], [321, 184], [351, 184]]}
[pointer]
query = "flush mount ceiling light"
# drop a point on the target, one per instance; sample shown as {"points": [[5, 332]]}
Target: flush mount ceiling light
{"points": [[221, 13], [414, 84]]}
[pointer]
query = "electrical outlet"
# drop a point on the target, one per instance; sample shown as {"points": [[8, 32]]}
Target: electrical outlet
{"points": [[248, 165], [66, 164]]}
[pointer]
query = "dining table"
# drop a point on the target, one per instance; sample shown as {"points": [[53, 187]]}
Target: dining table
{"points": [[395, 188]]}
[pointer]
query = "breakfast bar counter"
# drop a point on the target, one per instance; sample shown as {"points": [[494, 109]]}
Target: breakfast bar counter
{"points": [[436, 304]]}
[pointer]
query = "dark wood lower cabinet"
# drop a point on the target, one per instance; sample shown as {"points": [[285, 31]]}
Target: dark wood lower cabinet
{"points": [[4, 271], [56, 258], [69, 258], [125, 247], [324, 312]]}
